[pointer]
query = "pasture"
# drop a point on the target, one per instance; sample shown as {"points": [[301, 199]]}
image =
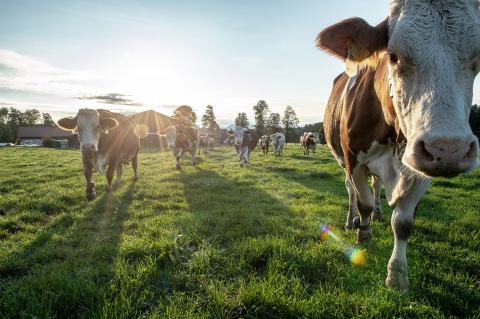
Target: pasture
{"points": [[217, 241]]}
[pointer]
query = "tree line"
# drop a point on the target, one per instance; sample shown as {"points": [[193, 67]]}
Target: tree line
{"points": [[266, 122], [11, 119]]}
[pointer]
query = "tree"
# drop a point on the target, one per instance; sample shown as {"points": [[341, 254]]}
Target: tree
{"points": [[185, 115], [290, 121], [208, 119], [241, 120], [273, 123], [47, 120], [261, 112], [31, 117]]}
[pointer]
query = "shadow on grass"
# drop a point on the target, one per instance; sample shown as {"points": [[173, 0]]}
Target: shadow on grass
{"points": [[60, 272]]}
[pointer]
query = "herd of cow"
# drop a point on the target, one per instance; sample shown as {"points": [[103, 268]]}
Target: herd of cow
{"points": [[399, 113]]}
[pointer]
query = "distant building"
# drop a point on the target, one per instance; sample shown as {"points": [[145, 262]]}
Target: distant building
{"points": [[155, 122], [35, 136]]}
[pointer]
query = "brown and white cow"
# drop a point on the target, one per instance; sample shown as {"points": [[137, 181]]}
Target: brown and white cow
{"points": [[211, 143], [203, 143], [107, 141], [245, 142], [307, 140], [182, 139], [264, 142], [400, 111]]}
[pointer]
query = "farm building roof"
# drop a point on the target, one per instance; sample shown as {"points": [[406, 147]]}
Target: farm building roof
{"points": [[154, 120], [41, 132]]}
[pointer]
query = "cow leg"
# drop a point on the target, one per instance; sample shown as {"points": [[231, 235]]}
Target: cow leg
{"points": [[178, 157], [194, 158], [111, 169], [135, 167], [119, 173], [365, 203], [377, 192], [402, 224], [87, 171], [352, 211]]}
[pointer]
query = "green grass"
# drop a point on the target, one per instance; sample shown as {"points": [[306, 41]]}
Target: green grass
{"points": [[217, 241]]}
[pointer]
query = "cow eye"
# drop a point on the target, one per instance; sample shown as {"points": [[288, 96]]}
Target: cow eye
{"points": [[474, 67], [393, 58]]}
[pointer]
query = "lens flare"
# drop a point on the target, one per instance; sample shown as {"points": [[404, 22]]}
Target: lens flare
{"points": [[356, 256]]}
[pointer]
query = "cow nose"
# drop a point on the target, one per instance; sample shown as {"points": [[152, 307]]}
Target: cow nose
{"points": [[89, 148], [446, 157]]}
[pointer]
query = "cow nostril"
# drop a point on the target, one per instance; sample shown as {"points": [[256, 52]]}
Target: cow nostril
{"points": [[472, 152], [422, 151]]}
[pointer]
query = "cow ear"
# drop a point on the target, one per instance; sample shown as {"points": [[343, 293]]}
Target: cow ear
{"points": [[108, 123], [354, 40], [67, 124], [230, 132]]}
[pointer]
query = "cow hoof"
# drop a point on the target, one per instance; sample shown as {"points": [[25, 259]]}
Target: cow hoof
{"points": [[349, 226], [135, 178], [397, 277], [364, 237], [109, 188], [377, 215], [178, 167], [91, 196]]}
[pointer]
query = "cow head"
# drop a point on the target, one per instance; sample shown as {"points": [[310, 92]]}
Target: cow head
{"points": [[274, 138], [433, 52], [88, 125], [239, 134], [170, 134]]}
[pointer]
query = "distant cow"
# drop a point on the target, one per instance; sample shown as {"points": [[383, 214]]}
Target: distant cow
{"points": [[278, 141], [264, 142], [107, 141], [400, 111], [182, 139], [211, 143], [203, 143], [245, 142], [307, 140]]}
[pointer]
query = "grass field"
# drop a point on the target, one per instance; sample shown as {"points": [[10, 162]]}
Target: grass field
{"points": [[217, 241]]}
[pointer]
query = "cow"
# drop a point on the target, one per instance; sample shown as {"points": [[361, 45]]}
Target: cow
{"points": [[182, 139], [307, 140], [211, 143], [264, 142], [278, 141], [400, 110], [245, 142], [203, 143], [107, 142]]}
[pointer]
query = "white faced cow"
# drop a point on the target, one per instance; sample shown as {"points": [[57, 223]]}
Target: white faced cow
{"points": [[307, 140], [182, 139], [245, 142], [107, 141], [400, 111], [264, 142], [278, 141]]}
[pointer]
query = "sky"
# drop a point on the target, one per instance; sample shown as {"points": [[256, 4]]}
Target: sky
{"points": [[131, 56]]}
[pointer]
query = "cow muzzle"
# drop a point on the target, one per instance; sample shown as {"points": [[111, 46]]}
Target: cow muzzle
{"points": [[445, 156], [89, 149]]}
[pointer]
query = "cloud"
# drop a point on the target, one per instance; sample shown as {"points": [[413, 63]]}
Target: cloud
{"points": [[112, 98], [24, 73]]}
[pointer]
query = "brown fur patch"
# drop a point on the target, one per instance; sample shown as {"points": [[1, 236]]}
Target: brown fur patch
{"points": [[403, 228]]}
